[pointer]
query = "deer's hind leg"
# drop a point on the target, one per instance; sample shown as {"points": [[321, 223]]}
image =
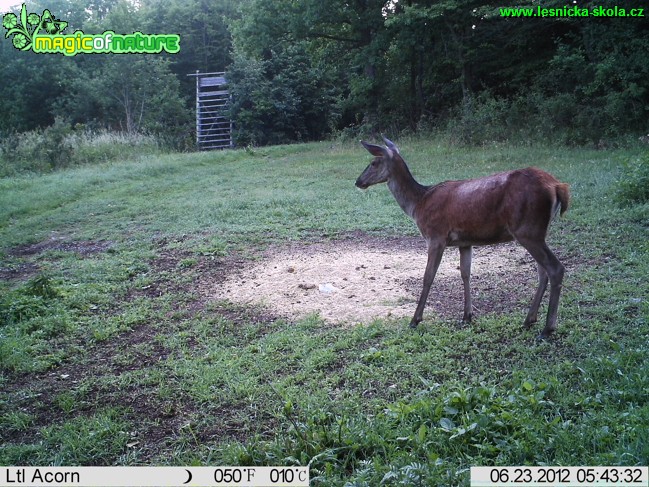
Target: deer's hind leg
{"points": [[465, 272], [554, 271], [532, 315]]}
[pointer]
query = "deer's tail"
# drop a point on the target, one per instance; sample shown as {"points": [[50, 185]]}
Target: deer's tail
{"points": [[563, 196]]}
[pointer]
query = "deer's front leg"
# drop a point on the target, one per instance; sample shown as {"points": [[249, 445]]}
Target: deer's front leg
{"points": [[435, 251]]}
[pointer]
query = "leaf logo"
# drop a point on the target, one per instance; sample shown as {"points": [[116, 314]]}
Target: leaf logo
{"points": [[44, 34], [50, 24], [24, 31]]}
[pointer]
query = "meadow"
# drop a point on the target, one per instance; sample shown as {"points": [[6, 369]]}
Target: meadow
{"points": [[110, 353]]}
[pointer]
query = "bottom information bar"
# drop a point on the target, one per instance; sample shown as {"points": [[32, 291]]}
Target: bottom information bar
{"points": [[559, 476], [154, 476]]}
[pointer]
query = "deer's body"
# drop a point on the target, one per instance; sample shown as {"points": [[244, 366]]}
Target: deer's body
{"points": [[488, 210], [515, 205]]}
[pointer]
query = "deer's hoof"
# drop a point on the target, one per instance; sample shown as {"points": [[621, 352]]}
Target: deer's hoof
{"points": [[527, 324], [544, 335]]}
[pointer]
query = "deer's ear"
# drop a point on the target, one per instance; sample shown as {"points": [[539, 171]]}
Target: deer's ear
{"points": [[390, 145], [376, 150]]}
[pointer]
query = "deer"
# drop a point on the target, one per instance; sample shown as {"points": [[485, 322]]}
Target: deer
{"points": [[515, 205]]}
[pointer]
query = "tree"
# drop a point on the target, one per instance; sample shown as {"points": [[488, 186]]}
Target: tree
{"points": [[130, 93], [205, 39], [301, 68], [280, 99]]}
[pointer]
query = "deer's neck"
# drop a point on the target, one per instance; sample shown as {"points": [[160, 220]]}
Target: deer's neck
{"points": [[405, 189]]}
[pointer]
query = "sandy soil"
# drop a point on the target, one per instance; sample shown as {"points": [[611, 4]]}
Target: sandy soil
{"points": [[361, 278]]}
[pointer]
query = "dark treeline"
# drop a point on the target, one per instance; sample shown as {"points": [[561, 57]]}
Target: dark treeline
{"points": [[304, 69]]}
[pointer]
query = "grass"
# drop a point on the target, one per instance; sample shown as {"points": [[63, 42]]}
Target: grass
{"points": [[110, 356], [61, 146]]}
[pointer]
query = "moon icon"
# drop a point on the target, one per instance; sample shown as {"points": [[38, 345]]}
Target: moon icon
{"points": [[190, 477]]}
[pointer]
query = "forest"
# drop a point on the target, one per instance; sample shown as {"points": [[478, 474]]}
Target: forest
{"points": [[128, 336], [306, 70]]}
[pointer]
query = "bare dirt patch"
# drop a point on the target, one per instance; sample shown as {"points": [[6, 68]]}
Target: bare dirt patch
{"points": [[61, 243], [22, 268], [362, 278], [17, 271]]}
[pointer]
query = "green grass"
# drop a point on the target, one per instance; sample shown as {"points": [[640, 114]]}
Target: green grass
{"points": [[60, 146], [109, 354]]}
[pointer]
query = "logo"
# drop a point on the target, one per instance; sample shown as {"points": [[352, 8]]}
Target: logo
{"points": [[44, 34]]}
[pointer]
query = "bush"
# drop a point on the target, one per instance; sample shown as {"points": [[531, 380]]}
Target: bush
{"points": [[60, 146], [633, 184], [37, 150], [30, 301], [281, 99], [480, 120]]}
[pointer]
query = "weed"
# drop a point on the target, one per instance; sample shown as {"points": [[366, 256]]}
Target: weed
{"points": [[15, 421], [27, 304], [41, 286], [633, 183], [60, 146], [95, 440]]}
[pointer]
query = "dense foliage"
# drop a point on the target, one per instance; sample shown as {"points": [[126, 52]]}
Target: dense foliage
{"points": [[304, 69]]}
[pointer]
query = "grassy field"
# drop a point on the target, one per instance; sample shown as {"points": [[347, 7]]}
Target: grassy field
{"points": [[110, 356]]}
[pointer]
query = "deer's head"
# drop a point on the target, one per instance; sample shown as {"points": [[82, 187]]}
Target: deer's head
{"points": [[379, 169]]}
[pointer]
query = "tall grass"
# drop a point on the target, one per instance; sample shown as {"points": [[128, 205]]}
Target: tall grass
{"points": [[61, 146]]}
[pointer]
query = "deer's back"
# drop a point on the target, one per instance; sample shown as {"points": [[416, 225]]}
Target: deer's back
{"points": [[487, 210]]}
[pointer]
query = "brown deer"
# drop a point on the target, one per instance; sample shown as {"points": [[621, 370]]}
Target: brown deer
{"points": [[516, 205]]}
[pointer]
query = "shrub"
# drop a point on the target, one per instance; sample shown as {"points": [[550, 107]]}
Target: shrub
{"points": [[633, 184], [281, 99], [60, 146], [480, 120], [37, 150], [30, 301]]}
